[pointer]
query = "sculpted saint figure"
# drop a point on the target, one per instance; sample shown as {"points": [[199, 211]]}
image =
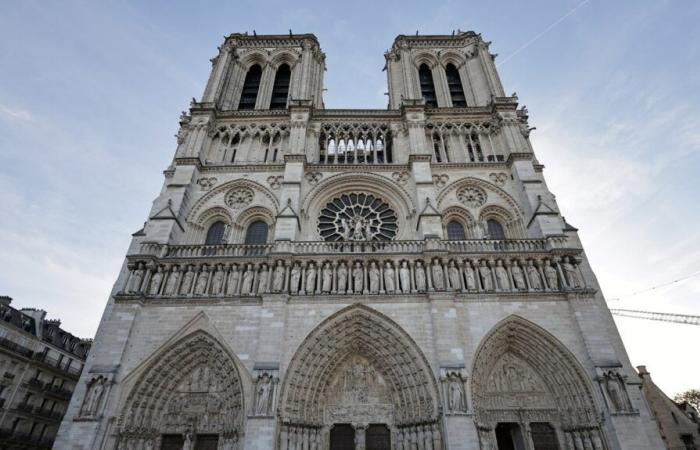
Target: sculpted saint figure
{"points": [[534, 276], [187, 281], [389, 280], [518, 277], [368, 230], [187, 444], [551, 274], [614, 385], [358, 278], [202, 281], [455, 276], [93, 397], [342, 278], [456, 396], [217, 281], [502, 276], [264, 388], [263, 278], [136, 279], [571, 273], [278, 278], [373, 278], [155, 281], [405, 277], [247, 284], [469, 275], [294, 279], [233, 280], [358, 233], [346, 232], [173, 279], [485, 273], [327, 282], [311, 279], [420, 277], [438, 276]]}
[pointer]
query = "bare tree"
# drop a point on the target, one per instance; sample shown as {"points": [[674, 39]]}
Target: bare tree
{"points": [[692, 396]]}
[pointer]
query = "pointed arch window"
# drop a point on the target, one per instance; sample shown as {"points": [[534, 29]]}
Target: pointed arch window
{"points": [[495, 229], [280, 89], [251, 85], [215, 235], [454, 83], [256, 234], [427, 87], [455, 231]]}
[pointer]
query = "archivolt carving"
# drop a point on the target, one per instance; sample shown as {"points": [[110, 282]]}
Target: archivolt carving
{"points": [[520, 366], [192, 386], [212, 214], [226, 187], [352, 333], [488, 187]]}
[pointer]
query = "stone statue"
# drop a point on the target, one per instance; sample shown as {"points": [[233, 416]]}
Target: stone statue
{"points": [[93, 397], [202, 281], [233, 280], [485, 273], [373, 278], [342, 278], [171, 283], [358, 278], [456, 395], [187, 280], [518, 277], [248, 276], [455, 276], [389, 278], [615, 388], [156, 280], [551, 274], [346, 231], [187, 444], [368, 230], [262, 405], [217, 281], [136, 279], [358, 233], [311, 279], [420, 277], [294, 278], [502, 276], [534, 276], [469, 275], [571, 273], [278, 278], [327, 281], [263, 278], [405, 277], [438, 276]]}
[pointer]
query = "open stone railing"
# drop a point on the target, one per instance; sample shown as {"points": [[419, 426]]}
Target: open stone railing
{"points": [[317, 268]]}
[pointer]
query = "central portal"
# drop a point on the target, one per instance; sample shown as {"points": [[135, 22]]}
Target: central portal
{"points": [[342, 437], [373, 437]]}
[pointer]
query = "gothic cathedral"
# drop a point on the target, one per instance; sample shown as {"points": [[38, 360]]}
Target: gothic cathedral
{"points": [[371, 279]]}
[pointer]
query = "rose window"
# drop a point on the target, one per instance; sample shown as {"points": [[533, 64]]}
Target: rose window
{"points": [[239, 198], [357, 217], [472, 196]]}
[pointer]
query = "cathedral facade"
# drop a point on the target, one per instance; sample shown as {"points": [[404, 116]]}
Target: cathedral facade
{"points": [[315, 279]]}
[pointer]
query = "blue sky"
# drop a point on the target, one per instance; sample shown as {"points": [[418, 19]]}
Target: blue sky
{"points": [[90, 93]]}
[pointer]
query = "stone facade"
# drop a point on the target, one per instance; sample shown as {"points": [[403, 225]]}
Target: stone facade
{"points": [[678, 423], [40, 363], [311, 278]]}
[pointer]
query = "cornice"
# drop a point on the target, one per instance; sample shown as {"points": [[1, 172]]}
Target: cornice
{"points": [[242, 168], [357, 167]]}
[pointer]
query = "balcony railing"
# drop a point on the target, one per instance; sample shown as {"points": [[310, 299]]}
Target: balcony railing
{"points": [[57, 391]]}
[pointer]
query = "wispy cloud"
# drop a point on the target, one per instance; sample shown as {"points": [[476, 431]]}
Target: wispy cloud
{"points": [[15, 115]]}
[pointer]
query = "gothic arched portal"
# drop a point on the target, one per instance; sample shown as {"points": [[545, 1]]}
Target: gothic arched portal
{"points": [[359, 367], [192, 389], [525, 380]]}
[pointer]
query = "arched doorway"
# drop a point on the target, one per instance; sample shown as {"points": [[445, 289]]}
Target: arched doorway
{"points": [[190, 396], [530, 392], [358, 368]]}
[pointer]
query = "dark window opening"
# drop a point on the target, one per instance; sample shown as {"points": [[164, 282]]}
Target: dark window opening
{"points": [[256, 233], [215, 235], [342, 437], [455, 231], [280, 89], [251, 85], [454, 83], [377, 437], [495, 229], [427, 87], [543, 436], [509, 437]]}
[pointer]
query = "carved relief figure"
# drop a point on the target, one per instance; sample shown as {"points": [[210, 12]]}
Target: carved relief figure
{"points": [[534, 276], [358, 278], [485, 273], [263, 278], [187, 281], [217, 281], [234, 279], [311, 279], [456, 395], [571, 273], [389, 275], [615, 388], [373, 278], [327, 282], [420, 277], [247, 285], [278, 278], [469, 275], [455, 276], [502, 276], [264, 389], [405, 277], [438, 276], [156, 280], [202, 281], [136, 279], [518, 277], [93, 397], [342, 278], [294, 278], [173, 279], [188, 443], [551, 274]]}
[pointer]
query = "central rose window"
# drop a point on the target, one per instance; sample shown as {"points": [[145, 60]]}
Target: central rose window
{"points": [[357, 217]]}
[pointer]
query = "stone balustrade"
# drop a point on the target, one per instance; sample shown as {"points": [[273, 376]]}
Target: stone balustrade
{"points": [[395, 267]]}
